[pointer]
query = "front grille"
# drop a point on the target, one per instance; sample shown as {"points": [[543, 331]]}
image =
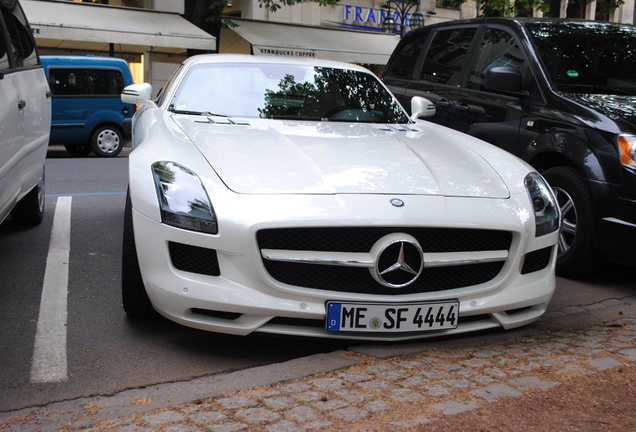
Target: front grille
{"points": [[194, 259], [360, 240], [537, 260]]}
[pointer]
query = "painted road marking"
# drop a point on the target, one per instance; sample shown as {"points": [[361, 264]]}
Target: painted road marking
{"points": [[49, 362]]}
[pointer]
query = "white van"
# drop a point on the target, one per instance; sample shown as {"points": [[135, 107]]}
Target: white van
{"points": [[25, 119]]}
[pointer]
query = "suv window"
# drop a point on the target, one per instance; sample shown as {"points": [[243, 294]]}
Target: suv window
{"points": [[22, 44], [403, 63], [587, 59], [87, 82], [497, 48], [446, 56]]}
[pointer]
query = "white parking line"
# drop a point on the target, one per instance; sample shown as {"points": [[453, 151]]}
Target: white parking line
{"points": [[49, 353]]}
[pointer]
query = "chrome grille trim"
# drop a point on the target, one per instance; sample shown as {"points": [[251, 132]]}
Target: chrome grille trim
{"points": [[365, 260]]}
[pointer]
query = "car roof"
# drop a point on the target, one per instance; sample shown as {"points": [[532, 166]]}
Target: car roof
{"points": [[521, 21], [252, 59], [81, 60]]}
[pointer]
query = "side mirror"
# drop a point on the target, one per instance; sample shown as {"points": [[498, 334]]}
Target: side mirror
{"points": [[138, 94], [421, 107], [505, 80]]}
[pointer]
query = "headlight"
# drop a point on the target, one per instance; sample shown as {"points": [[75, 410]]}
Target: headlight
{"points": [[183, 201], [546, 211], [627, 149]]}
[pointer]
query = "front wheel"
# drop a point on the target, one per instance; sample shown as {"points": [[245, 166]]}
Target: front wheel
{"points": [[577, 255], [107, 141], [133, 292], [30, 209]]}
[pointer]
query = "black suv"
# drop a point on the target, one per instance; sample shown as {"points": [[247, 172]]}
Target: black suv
{"points": [[559, 94]]}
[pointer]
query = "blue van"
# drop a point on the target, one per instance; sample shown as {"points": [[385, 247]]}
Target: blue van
{"points": [[87, 111]]}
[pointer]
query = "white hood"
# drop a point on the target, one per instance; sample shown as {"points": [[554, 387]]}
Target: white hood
{"points": [[272, 157]]}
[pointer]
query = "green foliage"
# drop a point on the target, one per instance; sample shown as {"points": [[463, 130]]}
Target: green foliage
{"points": [[216, 6], [450, 3], [274, 5], [606, 7], [511, 8]]}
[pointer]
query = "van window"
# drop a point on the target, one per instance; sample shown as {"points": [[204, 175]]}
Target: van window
{"points": [[106, 82], [446, 55], [497, 48], [4, 55], [22, 44], [85, 82]]}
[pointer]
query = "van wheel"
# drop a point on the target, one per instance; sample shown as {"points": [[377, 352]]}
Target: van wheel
{"points": [[576, 255], [107, 141], [133, 292], [78, 150], [30, 209]]}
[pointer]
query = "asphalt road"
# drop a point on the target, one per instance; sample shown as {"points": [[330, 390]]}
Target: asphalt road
{"points": [[104, 353]]}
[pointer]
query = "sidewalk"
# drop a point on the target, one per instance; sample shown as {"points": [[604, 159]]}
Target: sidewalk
{"points": [[573, 370]]}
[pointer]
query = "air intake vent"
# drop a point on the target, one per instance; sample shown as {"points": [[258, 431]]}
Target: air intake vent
{"points": [[194, 259]]}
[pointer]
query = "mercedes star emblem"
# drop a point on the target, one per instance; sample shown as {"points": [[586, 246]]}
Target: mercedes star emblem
{"points": [[398, 260]]}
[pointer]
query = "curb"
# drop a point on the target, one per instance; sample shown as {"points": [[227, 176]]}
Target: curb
{"points": [[364, 384]]}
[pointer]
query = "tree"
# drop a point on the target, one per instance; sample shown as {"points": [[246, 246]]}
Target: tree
{"points": [[206, 14], [511, 8], [576, 8]]}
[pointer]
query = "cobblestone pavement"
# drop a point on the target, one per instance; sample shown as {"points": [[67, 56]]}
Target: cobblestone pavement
{"points": [[400, 392]]}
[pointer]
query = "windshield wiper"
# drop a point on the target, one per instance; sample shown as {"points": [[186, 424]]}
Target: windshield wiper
{"points": [[199, 113]]}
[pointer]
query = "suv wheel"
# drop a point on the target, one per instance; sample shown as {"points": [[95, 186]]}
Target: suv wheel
{"points": [[107, 141], [576, 254]]}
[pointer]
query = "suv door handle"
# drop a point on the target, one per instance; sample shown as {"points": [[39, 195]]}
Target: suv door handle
{"points": [[462, 107], [21, 104], [443, 104]]}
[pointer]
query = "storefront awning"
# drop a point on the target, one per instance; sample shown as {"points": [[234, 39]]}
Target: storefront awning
{"points": [[291, 40], [93, 27]]}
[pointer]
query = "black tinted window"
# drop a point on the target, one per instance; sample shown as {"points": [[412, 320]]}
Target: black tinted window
{"points": [[446, 55], [588, 58], [106, 82], [85, 82], [21, 41], [497, 48], [403, 62]]}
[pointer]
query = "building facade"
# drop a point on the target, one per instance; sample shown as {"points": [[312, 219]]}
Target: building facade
{"points": [[153, 36]]}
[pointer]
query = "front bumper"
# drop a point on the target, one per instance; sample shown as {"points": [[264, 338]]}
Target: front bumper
{"points": [[240, 296]]}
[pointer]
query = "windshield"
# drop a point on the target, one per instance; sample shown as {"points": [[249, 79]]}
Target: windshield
{"points": [[286, 91], [588, 57]]}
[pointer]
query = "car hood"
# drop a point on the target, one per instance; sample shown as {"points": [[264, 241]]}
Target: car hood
{"points": [[617, 108], [269, 157]]}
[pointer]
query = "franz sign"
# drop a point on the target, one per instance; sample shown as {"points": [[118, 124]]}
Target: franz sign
{"points": [[369, 18]]}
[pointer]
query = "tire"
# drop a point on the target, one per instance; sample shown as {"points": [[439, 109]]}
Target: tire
{"points": [[78, 150], [30, 209], [107, 141], [133, 292], [577, 255]]}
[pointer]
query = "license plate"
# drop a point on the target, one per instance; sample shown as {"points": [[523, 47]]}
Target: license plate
{"points": [[388, 318]]}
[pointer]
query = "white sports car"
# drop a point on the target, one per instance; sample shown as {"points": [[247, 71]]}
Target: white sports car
{"points": [[297, 197]]}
